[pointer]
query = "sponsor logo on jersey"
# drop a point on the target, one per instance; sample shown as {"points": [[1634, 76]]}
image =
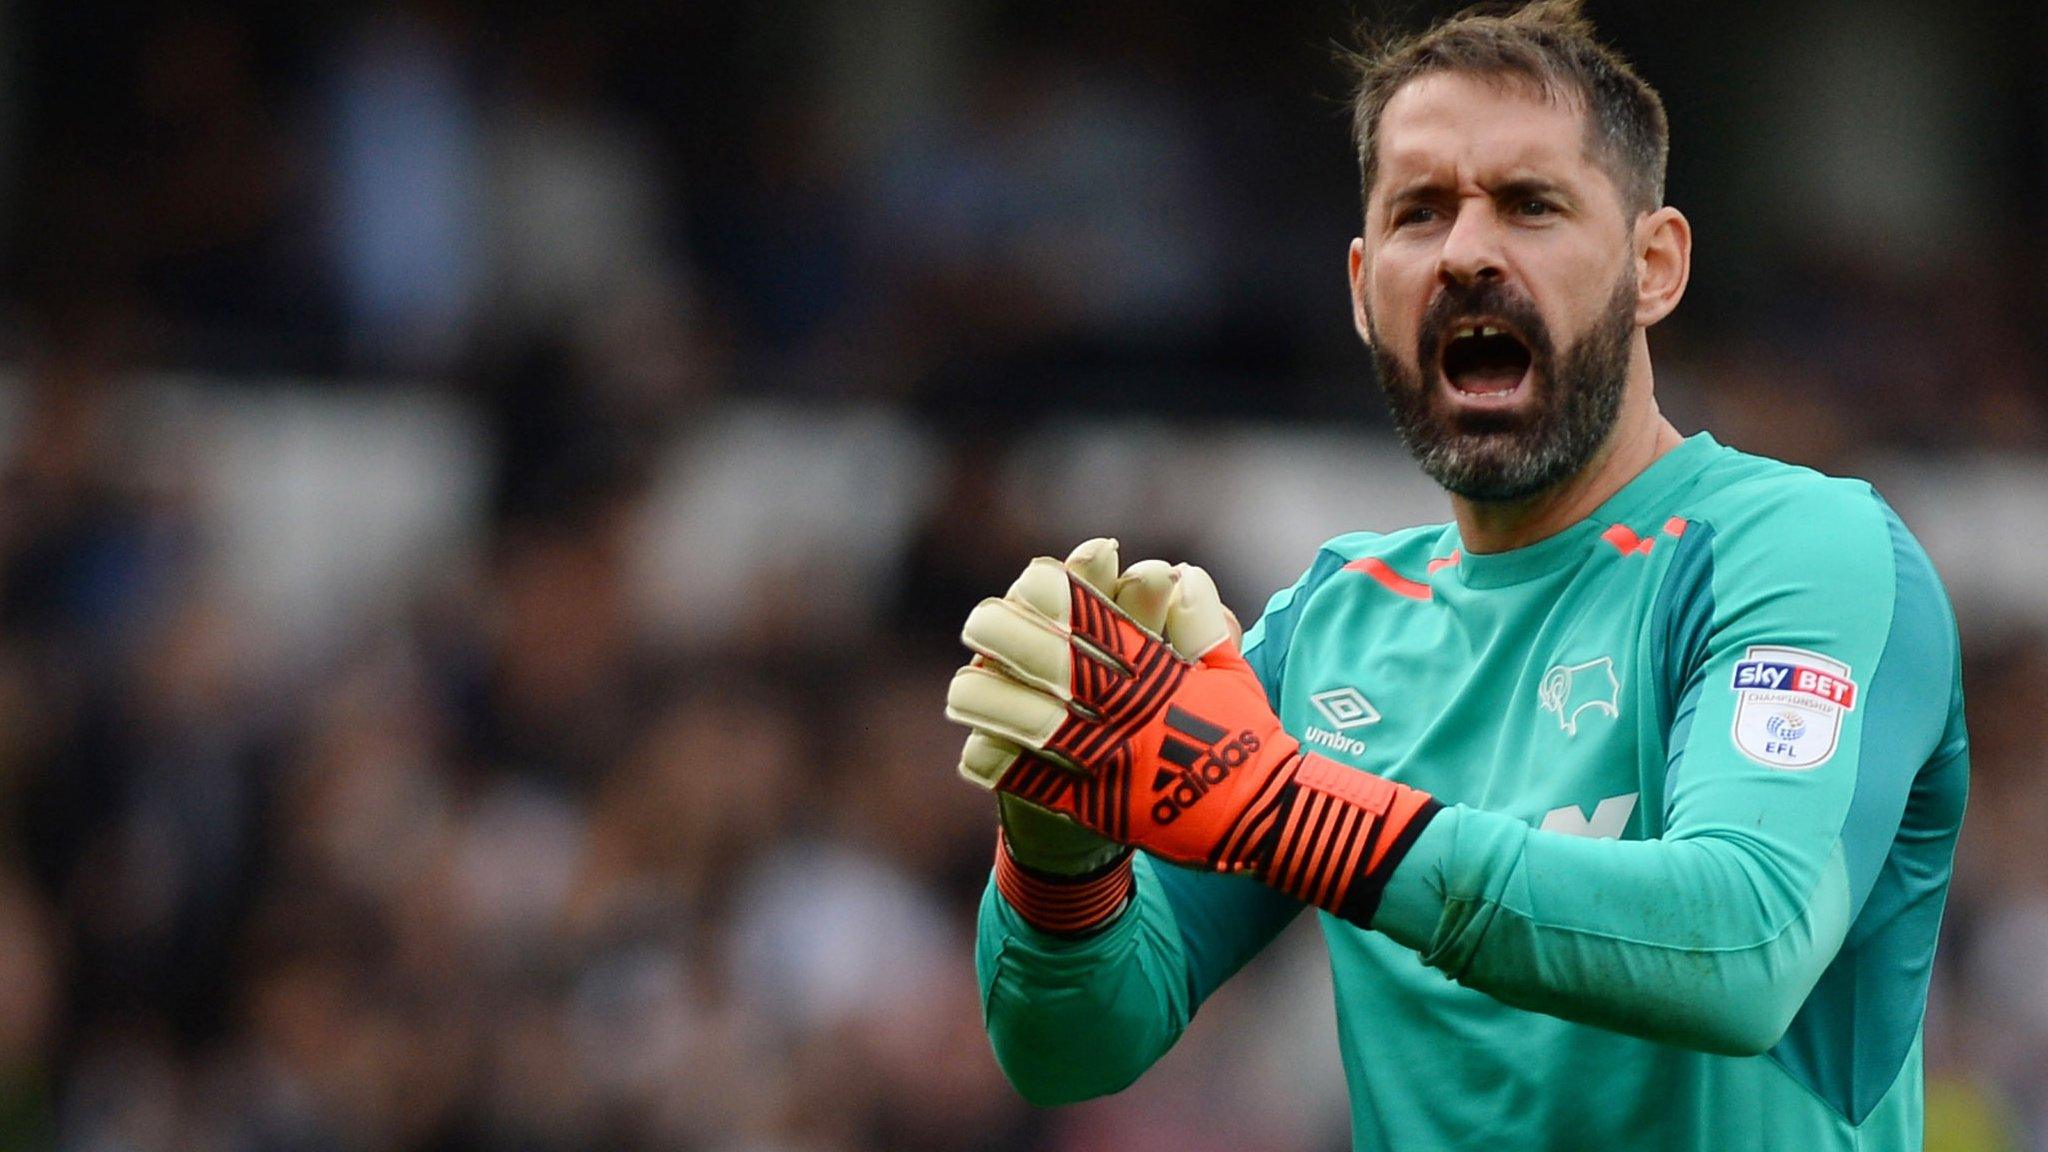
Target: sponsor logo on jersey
{"points": [[1345, 708], [1571, 690], [1789, 705], [1335, 741], [1810, 679], [1199, 756]]}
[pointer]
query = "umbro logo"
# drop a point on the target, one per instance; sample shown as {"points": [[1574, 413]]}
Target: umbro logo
{"points": [[1204, 754], [1345, 708]]}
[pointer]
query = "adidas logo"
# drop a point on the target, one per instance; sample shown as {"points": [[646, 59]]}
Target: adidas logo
{"points": [[1206, 762]]}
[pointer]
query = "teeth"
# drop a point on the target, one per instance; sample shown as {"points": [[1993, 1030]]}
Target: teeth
{"points": [[1461, 333], [1490, 332]]}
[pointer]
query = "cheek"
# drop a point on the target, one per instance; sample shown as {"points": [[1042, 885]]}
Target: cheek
{"points": [[1573, 299], [1397, 301], [1593, 281]]}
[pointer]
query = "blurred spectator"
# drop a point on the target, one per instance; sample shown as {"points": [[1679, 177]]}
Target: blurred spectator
{"points": [[407, 187], [31, 1014]]}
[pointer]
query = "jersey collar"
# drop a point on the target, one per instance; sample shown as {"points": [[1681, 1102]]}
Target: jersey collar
{"points": [[1648, 497]]}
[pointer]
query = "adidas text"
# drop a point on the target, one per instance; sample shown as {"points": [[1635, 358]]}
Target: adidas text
{"points": [[1194, 781]]}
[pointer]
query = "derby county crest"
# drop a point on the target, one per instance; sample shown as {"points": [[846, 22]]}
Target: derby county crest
{"points": [[1570, 689]]}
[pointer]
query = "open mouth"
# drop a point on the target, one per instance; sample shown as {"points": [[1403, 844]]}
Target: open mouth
{"points": [[1485, 360]]}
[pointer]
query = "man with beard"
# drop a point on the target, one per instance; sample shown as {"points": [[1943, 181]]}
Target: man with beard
{"points": [[1627, 799]]}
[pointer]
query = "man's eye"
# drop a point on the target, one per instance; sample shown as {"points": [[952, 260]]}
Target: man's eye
{"points": [[1418, 214], [1534, 208]]}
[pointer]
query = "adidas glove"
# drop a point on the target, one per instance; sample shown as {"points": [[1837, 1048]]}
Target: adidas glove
{"points": [[1063, 877], [1038, 838], [1178, 755]]}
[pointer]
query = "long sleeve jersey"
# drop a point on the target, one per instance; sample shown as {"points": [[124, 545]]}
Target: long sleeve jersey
{"points": [[1704, 764]]}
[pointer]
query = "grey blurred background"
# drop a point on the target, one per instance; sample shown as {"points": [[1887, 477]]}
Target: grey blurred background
{"points": [[486, 495]]}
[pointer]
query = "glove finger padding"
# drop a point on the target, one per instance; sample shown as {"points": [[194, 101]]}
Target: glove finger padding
{"points": [[1019, 686], [1197, 623], [992, 705], [1094, 562], [1029, 631], [984, 758], [1145, 592], [1039, 837], [1083, 654], [990, 702]]}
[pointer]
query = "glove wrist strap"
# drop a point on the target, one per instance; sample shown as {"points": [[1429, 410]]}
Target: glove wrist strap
{"points": [[1341, 834], [1064, 905]]}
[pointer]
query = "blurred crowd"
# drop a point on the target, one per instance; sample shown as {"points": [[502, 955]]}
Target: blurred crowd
{"points": [[543, 846]]}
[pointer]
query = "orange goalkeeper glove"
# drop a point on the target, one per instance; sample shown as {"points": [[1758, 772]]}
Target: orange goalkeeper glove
{"points": [[1058, 875], [1181, 757], [1043, 841]]}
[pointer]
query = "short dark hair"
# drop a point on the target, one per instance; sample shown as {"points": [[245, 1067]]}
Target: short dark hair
{"points": [[1549, 44]]}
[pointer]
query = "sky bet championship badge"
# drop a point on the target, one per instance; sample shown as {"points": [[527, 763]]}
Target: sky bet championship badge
{"points": [[1789, 706]]}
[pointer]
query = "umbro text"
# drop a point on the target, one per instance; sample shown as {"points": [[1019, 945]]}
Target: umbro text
{"points": [[1334, 741]]}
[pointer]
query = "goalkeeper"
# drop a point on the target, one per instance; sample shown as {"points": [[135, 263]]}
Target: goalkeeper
{"points": [[1627, 800]]}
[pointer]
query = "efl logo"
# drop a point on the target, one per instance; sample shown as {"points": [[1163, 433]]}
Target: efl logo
{"points": [[1774, 676], [1203, 764]]}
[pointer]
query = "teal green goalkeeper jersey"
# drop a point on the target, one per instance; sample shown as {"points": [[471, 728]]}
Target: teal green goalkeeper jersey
{"points": [[1703, 762]]}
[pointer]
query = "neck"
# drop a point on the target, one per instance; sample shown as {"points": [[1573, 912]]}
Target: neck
{"points": [[1641, 434]]}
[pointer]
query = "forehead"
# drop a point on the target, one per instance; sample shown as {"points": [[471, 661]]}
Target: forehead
{"points": [[1466, 126]]}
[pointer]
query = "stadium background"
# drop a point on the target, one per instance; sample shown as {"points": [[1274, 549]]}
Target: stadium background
{"points": [[488, 493]]}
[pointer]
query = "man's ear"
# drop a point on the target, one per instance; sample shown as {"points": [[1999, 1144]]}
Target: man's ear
{"points": [[1663, 244], [1359, 318]]}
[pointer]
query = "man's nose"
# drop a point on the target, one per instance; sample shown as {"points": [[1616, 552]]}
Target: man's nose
{"points": [[1471, 250]]}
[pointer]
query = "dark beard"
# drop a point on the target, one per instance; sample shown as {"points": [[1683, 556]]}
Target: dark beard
{"points": [[1511, 456]]}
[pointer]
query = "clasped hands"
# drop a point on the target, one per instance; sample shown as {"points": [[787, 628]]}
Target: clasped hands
{"points": [[1112, 710]]}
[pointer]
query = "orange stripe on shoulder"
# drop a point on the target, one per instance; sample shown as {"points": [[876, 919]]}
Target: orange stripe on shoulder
{"points": [[1393, 581], [1626, 541], [1444, 561]]}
